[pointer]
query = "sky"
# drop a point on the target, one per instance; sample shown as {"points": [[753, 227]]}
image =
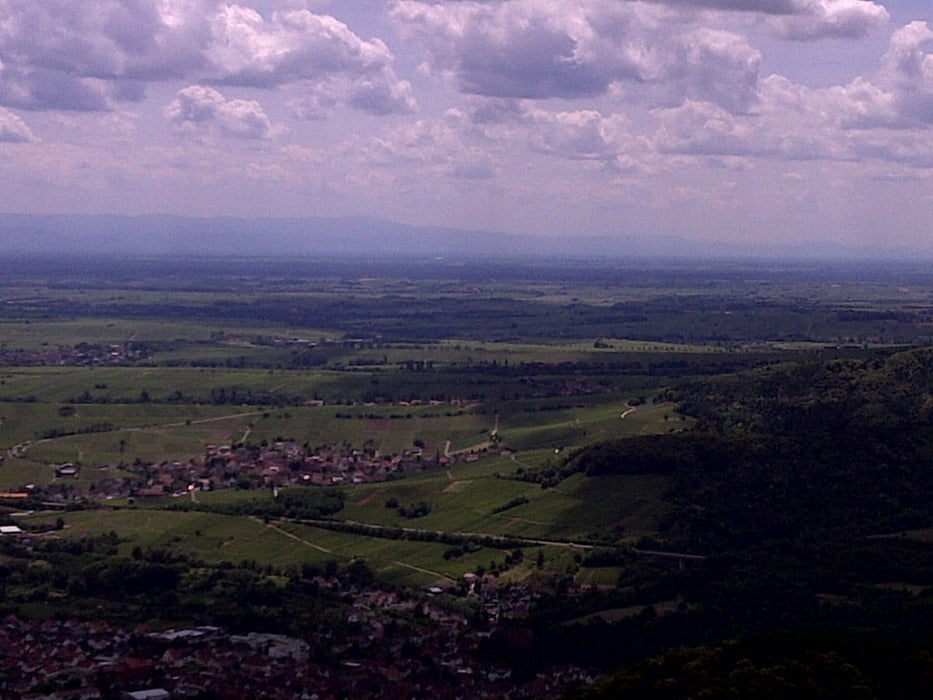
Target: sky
{"points": [[742, 121]]}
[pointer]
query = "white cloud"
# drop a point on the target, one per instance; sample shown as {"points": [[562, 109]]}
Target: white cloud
{"points": [[769, 7], [802, 19], [65, 54], [536, 50], [247, 49], [198, 106], [579, 135], [701, 128], [819, 19], [722, 68], [907, 69], [40, 89], [898, 96], [491, 110], [68, 55], [885, 117], [315, 104], [509, 49], [380, 96], [13, 129], [431, 148]]}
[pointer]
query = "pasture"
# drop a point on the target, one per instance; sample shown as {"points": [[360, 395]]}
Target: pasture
{"points": [[497, 372]]}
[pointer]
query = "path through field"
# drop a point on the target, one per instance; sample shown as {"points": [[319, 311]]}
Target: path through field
{"points": [[318, 547], [423, 571], [20, 449], [511, 518], [435, 534], [368, 498]]}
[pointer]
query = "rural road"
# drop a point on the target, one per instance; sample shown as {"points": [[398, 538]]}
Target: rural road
{"points": [[435, 533], [20, 449], [319, 548]]}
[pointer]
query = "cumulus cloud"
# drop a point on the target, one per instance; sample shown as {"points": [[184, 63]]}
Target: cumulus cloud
{"points": [[885, 116], [204, 107], [382, 97], [317, 52], [819, 19], [379, 97], [722, 68], [583, 135], [578, 135], [528, 49], [907, 70], [794, 132], [40, 89], [802, 20], [67, 55], [510, 49], [292, 45], [898, 96], [13, 129], [489, 110], [433, 147], [701, 128], [770, 7], [87, 55]]}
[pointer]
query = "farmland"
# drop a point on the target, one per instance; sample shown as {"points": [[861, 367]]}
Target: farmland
{"points": [[185, 362], [539, 427]]}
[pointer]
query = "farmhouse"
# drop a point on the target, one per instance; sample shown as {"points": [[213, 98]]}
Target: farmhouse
{"points": [[66, 469]]}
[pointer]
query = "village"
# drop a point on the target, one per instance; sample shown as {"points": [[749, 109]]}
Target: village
{"points": [[441, 651], [254, 467], [79, 355]]}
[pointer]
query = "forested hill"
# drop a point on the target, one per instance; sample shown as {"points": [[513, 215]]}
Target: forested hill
{"points": [[841, 448], [810, 491], [819, 398]]}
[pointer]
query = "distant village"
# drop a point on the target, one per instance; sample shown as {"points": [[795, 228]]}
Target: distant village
{"points": [[283, 464], [80, 355], [249, 467], [72, 659]]}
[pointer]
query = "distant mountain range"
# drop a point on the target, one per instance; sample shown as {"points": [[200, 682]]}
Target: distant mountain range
{"points": [[165, 235]]}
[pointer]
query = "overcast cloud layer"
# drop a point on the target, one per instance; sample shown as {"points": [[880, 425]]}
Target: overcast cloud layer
{"points": [[734, 120]]}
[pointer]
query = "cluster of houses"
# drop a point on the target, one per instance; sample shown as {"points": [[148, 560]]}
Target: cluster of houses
{"points": [[276, 465], [284, 463], [398, 645], [83, 354]]}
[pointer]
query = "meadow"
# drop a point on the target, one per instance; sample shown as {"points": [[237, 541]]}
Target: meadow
{"points": [[599, 463], [518, 367]]}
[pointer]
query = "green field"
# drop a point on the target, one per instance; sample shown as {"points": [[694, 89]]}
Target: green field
{"points": [[515, 373], [213, 538]]}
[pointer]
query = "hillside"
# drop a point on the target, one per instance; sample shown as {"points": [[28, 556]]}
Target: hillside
{"points": [[161, 234], [704, 478], [809, 490]]}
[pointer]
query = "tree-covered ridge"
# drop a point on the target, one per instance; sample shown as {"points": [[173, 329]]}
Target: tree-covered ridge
{"points": [[731, 491], [774, 666], [844, 395], [809, 490], [793, 451]]}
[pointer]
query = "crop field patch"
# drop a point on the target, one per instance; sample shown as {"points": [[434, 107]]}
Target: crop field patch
{"points": [[456, 487]]}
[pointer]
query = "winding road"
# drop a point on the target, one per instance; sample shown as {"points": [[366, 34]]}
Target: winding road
{"points": [[20, 449]]}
